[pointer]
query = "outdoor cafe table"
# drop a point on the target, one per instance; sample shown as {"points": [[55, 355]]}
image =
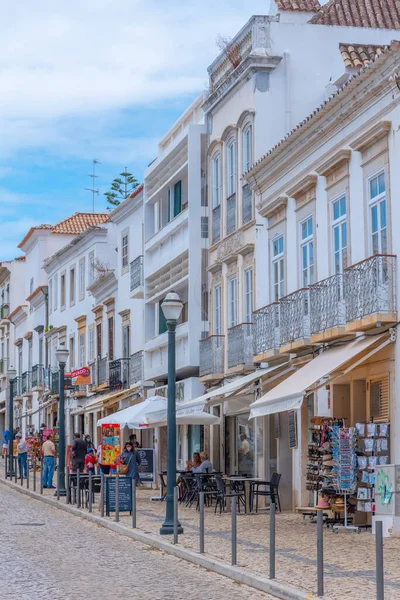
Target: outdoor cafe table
{"points": [[247, 481]]}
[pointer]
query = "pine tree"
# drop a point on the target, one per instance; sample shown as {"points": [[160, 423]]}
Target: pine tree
{"points": [[121, 188]]}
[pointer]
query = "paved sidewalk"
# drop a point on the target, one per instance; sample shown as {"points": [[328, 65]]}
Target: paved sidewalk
{"points": [[349, 557]]}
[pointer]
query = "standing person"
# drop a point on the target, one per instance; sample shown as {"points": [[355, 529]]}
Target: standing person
{"points": [[90, 461], [22, 456], [133, 440], [104, 468], [4, 443], [131, 458], [49, 462], [78, 451]]}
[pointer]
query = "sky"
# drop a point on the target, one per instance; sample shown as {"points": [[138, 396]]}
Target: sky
{"points": [[95, 79]]}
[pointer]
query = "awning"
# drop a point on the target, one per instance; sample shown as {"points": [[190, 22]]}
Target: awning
{"points": [[152, 412], [94, 405], [198, 404], [289, 394]]}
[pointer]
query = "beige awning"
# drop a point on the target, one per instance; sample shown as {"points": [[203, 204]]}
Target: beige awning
{"points": [[332, 363], [198, 404]]}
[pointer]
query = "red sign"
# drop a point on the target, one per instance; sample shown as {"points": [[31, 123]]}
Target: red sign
{"points": [[80, 376]]}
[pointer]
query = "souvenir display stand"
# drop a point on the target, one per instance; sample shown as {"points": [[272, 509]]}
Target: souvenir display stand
{"points": [[344, 442]]}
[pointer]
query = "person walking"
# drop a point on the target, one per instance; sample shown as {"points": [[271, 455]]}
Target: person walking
{"points": [[49, 462], [78, 451], [130, 461], [105, 469], [4, 443], [22, 456]]}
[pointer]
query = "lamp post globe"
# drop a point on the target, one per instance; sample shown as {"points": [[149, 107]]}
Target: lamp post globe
{"points": [[62, 357], [11, 375], [172, 308]]}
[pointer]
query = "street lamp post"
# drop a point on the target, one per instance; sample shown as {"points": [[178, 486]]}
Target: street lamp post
{"points": [[11, 375], [172, 308], [62, 357]]}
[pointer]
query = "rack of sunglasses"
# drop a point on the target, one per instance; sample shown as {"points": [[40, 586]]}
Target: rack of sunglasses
{"points": [[373, 450]]}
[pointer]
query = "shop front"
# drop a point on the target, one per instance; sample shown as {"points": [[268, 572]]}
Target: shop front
{"points": [[349, 382]]}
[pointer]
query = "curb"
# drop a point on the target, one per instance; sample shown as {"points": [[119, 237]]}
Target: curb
{"points": [[258, 582]]}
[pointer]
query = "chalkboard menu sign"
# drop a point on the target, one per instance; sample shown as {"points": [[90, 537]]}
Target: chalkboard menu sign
{"points": [[125, 494], [292, 421], [277, 426], [146, 467]]}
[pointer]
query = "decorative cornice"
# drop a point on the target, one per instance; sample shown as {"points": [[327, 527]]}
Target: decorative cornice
{"points": [[97, 310], [28, 335], [109, 301], [18, 342], [18, 315], [303, 186], [273, 207], [334, 162], [125, 314], [377, 132], [81, 319]]}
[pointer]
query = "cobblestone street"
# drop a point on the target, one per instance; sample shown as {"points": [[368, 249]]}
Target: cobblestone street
{"points": [[48, 554]]}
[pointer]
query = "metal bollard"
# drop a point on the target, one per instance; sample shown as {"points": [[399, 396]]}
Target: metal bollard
{"points": [[27, 478], [320, 553], [176, 514], [90, 490], [78, 489], [117, 498], [34, 475], [67, 486], [201, 497], [133, 503], [272, 509], [102, 496], [58, 482], [6, 462], [41, 475], [380, 583], [22, 475], [234, 531]]}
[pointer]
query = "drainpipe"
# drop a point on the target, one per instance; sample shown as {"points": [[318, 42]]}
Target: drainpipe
{"points": [[288, 110]]}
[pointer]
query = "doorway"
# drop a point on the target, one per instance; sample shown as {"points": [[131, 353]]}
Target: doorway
{"points": [[239, 446]]}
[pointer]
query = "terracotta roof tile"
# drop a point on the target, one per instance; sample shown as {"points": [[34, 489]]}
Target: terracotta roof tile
{"points": [[359, 55], [379, 14], [298, 5], [79, 222]]}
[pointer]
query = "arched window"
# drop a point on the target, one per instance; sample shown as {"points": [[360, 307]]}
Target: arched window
{"points": [[231, 166], [247, 147], [216, 180]]}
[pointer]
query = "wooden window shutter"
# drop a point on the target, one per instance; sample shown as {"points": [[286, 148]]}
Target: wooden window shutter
{"points": [[111, 338], [378, 395]]}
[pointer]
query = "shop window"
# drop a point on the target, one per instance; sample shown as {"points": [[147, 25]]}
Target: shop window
{"points": [[379, 399]]}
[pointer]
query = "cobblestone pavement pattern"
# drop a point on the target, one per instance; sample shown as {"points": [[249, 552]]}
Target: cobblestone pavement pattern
{"points": [[48, 554]]}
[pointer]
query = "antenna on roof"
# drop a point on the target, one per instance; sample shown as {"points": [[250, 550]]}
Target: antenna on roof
{"points": [[94, 176]]}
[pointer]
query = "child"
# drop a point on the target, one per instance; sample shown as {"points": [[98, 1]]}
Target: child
{"points": [[90, 461]]}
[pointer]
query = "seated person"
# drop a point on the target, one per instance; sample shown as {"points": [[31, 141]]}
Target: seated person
{"points": [[205, 467]]}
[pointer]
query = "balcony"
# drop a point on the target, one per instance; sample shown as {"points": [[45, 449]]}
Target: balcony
{"points": [[240, 347], [37, 376], [295, 321], [370, 293], [212, 355], [231, 214], [26, 383], [119, 374], [266, 332], [136, 273], [101, 371], [327, 309], [55, 382], [18, 387], [136, 368]]}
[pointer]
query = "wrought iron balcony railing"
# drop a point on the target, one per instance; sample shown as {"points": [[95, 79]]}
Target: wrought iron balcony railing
{"points": [[119, 374], [136, 270], [240, 345], [231, 214], [266, 332], [101, 370], [216, 224], [327, 304], [4, 311], [212, 355], [18, 386], [37, 376], [295, 316], [370, 287], [26, 382], [55, 382], [247, 200], [136, 368]]}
